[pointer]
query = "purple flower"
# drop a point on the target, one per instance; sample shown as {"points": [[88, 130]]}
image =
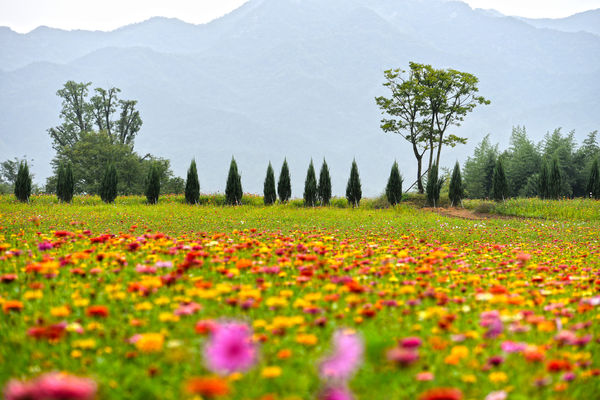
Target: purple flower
{"points": [[513, 347], [346, 357], [402, 356], [51, 386], [491, 321], [43, 246], [410, 343], [230, 348]]}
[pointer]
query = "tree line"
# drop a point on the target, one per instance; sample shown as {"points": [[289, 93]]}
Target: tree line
{"points": [[553, 168]]}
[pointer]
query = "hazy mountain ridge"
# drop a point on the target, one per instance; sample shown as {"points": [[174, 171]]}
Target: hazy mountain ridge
{"points": [[588, 21], [297, 78]]}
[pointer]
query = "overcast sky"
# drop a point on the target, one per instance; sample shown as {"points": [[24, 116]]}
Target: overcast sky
{"points": [[25, 15]]}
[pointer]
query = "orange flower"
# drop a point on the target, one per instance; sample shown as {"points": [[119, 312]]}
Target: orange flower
{"points": [[12, 305], [284, 354], [442, 394], [209, 387]]}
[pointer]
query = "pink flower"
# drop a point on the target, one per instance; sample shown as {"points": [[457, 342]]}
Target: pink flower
{"points": [[501, 395], [402, 356], [51, 386], [410, 343], [513, 347], [56, 386], [230, 348], [425, 376], [347, 355], [17, 390], [336, 393], [188, 309]]}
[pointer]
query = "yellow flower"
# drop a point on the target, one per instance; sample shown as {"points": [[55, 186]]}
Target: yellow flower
{"points": [[62, 311], [307, 339], [469, 378], [150, 342], [271, 372], [497, 377]]}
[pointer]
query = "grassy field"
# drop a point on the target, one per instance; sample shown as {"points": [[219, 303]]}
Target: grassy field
{"points": [[575, 209], [128, 295]]}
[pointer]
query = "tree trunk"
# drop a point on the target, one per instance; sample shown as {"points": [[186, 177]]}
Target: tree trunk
{"points": [[419, 181]]}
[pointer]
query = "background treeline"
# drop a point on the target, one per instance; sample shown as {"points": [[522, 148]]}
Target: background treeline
{"points": [[525, 163]]}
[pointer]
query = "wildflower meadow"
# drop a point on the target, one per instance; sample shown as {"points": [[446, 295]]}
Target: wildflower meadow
{"points": [[172, 301]]}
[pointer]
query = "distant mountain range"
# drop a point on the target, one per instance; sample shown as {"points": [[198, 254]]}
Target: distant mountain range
{"points": [[297, 79]]}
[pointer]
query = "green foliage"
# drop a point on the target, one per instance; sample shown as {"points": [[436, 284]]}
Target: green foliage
{"points": [[479, 169], [64, 185], [310, 187], [284, 185], [555, 186], [499, 184], [192, 185], [522, 160], [233, 190], [544, 181], [324, 187], [393, 190], [108, 187], [270, 196], [456, 191], [153, 185], [23, 183], [354, 188], [434, 186], [593, 186]]}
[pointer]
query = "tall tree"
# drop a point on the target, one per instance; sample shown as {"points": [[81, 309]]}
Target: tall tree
{"points": [[284, 185], [153, 185], [434, 186], [23, 183], [544, 181], [75, 114], [310, 187], [521, 162], [583, 159], [108, 186], [324, 187], [499, 184], [456, 190], [69, 184], [270, 196], [192, 185], [60, 182], [593, 186], [393, 190], [407, 113], [103, 106], [354, 188], [555, 180], [233, 190]]}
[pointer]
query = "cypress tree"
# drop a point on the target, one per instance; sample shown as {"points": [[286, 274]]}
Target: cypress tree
{"points": [[310, 187], [153, 184], [456, 190], [593, 186], [60, 182], [499, 185], [192, 185], [543, 188], [23, 183], [434, 186], [69, 184], [353, 188], [324, 188], [284, 185], [233, 190], [393, 190], [108, 186], [270, 196], [554, 180]]}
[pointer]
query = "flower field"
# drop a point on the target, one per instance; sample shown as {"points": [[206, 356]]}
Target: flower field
{"points": [[171, 301]]}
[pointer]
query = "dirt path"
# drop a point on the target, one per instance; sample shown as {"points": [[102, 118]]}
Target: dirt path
{"points": [[464, 213]]}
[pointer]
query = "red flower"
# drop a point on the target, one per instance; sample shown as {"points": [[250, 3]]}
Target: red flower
{"points": [[97, 311], [442, 394]]}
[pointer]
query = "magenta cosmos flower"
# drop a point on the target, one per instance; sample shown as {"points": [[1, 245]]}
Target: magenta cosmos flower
{"points": [[346, 356], [230, 348]]}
